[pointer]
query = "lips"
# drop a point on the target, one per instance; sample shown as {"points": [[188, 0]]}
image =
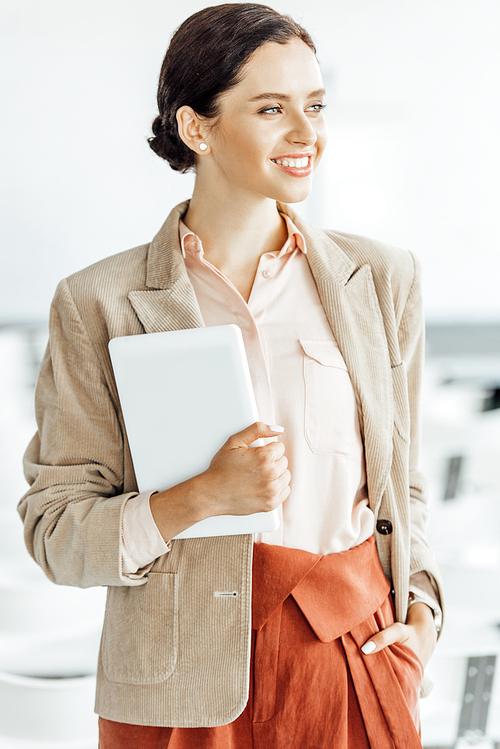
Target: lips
{"points": [[297, 164]]}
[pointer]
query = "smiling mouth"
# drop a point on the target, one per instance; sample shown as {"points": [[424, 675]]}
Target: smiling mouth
{"points": [[301, 163]]}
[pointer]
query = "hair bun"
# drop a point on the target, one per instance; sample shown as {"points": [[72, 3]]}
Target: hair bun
{"points": [[167, 145]]}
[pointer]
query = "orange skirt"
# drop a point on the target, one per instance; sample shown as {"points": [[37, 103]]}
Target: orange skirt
{"points": [[311, 686]]}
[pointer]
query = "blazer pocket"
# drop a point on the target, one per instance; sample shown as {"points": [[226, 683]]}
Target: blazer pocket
{"points": [[140, 633], [401, 403], [331, 417]]}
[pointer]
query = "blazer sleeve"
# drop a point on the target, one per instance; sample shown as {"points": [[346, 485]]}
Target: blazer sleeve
{"points": [[72, 512], [411, 335]]}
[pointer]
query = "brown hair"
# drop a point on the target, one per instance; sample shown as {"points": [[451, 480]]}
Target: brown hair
{"points": [[204, 59]]}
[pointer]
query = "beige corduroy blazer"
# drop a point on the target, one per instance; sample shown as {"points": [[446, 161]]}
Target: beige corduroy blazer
{"points": [[173, 653]]}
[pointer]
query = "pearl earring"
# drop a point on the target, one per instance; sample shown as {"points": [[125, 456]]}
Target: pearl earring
{"points": [[203, 146]]}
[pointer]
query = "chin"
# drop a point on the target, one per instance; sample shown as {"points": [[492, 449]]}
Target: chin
{"points": [[294, 193], [296, 199], [292, 196]]}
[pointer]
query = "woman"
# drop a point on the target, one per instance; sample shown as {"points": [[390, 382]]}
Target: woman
{"points": [[333, 331]]}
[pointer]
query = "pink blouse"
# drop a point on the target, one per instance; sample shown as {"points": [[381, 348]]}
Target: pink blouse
{"points": [[301, 382]]}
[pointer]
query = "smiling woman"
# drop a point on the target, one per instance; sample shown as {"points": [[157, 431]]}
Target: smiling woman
{"points": [[255, 143], [313, 635]]}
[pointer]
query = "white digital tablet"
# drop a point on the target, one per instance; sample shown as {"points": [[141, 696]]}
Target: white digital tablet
{"points": [[183, 393]]}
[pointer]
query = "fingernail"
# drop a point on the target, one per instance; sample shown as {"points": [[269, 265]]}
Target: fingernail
{"points": [[276, 428], [368, 647]]}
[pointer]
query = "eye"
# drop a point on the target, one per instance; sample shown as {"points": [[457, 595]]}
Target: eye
{"points": [[316, 108], [270, 110]]}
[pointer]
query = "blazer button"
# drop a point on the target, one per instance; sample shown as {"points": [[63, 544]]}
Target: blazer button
{"points": [[384, 527]]}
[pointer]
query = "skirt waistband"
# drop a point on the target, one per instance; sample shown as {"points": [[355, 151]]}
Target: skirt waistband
{"points": [[335, 592]]}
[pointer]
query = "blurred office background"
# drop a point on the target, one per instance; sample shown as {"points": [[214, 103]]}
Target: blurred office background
{"points": [[414, 159]]}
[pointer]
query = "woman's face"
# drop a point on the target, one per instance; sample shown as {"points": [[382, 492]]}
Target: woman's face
{"points": [[272, 132]]}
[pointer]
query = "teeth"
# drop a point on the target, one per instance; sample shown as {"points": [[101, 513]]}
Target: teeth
{"points": [[294, 163]]}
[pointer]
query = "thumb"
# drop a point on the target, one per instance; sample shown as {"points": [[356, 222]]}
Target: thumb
{"points": [[253, 433], [394, 633]]}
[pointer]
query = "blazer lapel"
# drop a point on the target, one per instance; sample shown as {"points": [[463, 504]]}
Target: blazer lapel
{"points": [[351, 305], [167, 309], [169, 301]]}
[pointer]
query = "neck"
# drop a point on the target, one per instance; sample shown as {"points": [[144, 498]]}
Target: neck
{"points": [[235, 227]]}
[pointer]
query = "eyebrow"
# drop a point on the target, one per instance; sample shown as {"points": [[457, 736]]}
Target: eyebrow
{"points": [[285, 97]]}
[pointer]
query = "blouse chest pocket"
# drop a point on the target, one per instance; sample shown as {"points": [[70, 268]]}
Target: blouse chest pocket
{"points": [[331, 417]]}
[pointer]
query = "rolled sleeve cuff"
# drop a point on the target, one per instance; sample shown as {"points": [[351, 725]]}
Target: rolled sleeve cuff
{"points": [[142, 541], [421, 586]]}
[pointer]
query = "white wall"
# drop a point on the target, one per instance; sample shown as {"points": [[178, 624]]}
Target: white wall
{"points": [[413, 156]]}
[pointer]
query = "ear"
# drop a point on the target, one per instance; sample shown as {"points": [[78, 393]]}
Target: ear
{"points": [[192, 130]]}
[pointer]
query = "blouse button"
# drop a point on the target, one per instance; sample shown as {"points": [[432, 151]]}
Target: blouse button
{"points": [[384, 527], [267, 273]]}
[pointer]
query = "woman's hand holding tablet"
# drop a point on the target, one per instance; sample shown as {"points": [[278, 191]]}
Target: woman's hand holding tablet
{"points": [[238, 482]]}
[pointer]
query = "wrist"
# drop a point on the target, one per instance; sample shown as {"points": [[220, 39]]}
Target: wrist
{"points": [[421, 615], [417, 599], [177, 508]]}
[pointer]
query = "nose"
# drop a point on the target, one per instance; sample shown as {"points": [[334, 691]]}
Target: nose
{"points": [[302, 130]]}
